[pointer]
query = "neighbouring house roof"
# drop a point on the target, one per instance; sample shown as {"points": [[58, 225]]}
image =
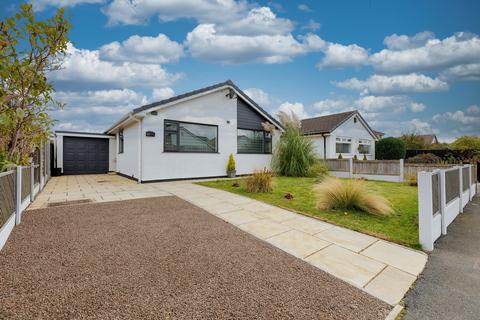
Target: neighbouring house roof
{"points": [[66, 132], [328, 123], [192, 94], [324, 124], [379, 134], [428, 139]]}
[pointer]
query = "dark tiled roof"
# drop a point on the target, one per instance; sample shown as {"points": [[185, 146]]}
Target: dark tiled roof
{"points": [[81, 132], [427, 138], [325, 124], [198, 91]]}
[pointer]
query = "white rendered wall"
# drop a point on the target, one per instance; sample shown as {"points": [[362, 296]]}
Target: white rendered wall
{"points": [[127, 162], [356, 131], [215, 109]]}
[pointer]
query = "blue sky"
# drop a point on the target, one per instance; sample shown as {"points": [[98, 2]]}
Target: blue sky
{"points": [[406, 65]]}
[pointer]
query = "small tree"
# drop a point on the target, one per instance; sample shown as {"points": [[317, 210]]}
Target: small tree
{"points": [[469, 146], [390, 149], [29, 50], [413, 141], [230, 163]]}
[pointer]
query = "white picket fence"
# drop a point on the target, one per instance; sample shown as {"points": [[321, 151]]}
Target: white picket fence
{"points": [[442, 195]]}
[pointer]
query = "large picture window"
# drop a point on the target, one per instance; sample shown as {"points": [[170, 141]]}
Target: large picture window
{"points": [[120, 141], [254, 141], [190, 137]]}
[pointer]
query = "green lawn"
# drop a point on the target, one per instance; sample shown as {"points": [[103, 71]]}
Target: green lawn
{"points": [[400, 227]]}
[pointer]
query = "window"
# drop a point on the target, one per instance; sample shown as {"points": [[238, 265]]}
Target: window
{"points": [[364, 146], [120, 141], [254, 141], [343, 145], [189, 137]]}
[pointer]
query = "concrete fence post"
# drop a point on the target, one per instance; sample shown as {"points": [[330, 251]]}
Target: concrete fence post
{"points": [[460, 188], [425, 210], [443, 200], [470, 174], [32, 182], [402, 170], [18, 196], [350, 164]]}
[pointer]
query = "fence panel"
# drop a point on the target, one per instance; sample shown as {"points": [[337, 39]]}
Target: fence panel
{"points": [[26, 180], [379, 167], [452, 185], [7, 195], [415, 168], [338, 164], [435, 193], [465, 178]]}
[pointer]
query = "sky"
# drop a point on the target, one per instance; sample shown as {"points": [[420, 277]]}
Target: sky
{"points": [[407, 66]]}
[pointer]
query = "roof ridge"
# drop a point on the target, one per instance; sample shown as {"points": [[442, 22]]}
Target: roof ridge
{"points": [[332, 114]]}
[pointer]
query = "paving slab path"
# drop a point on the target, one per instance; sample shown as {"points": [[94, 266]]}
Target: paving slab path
{"points": [[449, 287], [383, 269]]}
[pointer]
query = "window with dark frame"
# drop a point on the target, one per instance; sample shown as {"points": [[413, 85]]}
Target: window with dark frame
{"points": [[120, 141], [181, 136], [254, 141]]}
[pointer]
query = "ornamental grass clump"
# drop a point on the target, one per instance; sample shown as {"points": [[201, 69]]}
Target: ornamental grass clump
{"points": [[260, 181], [294, 154], [337, 194]]}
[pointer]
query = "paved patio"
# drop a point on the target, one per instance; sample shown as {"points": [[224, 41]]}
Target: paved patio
{"points": [[383, 269]]}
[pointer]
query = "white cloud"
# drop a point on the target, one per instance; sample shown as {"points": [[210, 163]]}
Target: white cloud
{"points": [[329, 106], [258, 21], [159, 94], [39, 5], [95, 110], [453, 124], [417, 107], [304, 7], [159, 49], [462, 72], [206, 44], [473, 109], [402, 42], [296, 108], [205, 11], [84, 68], [461, 48], [259, 96], [341, 56], [312, 25], [385, 85], [419, 126]]}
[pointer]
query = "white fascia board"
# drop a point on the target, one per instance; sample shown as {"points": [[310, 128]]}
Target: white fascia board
{"points": [[84, 135]]}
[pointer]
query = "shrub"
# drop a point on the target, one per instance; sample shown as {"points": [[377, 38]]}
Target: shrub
{"points": [[390, 149], [355, 157], [424, 158], [338, 194], [294, 154], [364, 157], [318, 169], [260, 181], [411, 179], [340, 156], [231, 163]]}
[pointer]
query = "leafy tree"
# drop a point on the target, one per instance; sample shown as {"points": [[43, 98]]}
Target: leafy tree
{"points": [[390, 149], [29, 50], [413, 141], [469, 146]]}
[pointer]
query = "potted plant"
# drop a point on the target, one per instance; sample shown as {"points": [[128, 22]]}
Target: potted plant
{"points": [[231, 167]]}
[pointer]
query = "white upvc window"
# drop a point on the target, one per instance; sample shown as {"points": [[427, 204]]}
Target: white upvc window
{"points": [[343, 145], [364, 146]]}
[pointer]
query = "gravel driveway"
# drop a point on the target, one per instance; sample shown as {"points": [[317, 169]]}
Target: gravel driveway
{"points": [[160, 258]]}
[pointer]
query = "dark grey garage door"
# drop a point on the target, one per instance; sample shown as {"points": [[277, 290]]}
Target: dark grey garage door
{"points": [[85, 155]]}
